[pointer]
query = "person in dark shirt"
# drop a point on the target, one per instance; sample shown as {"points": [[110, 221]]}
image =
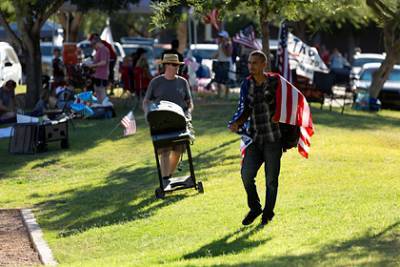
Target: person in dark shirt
{"points": [[58, 68], [255, 111], [7, 102], [174, 88], [174, 50]]}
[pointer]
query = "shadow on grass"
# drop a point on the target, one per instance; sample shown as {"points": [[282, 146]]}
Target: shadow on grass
{"points": [[359, 120], [45, 163], [381, 249], [126, 196], [85, 135], [230, 244]]}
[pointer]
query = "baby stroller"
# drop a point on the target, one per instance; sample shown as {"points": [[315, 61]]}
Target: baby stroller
{"points": [[169, 126]]}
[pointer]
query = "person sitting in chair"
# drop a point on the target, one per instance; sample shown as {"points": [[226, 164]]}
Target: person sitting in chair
{"points": [[174, 88], [7, 102]]}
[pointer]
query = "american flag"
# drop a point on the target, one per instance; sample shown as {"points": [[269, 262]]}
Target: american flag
{"points": [[247, 37], [212, 18], [245, 141], [282, 53], [129, 124], [292, 108]]}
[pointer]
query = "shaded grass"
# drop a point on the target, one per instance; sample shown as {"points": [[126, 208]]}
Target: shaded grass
{"points": [[96, 204]]}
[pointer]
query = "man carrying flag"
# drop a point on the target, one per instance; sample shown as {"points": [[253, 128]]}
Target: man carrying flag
{"points": [[260, 96]]}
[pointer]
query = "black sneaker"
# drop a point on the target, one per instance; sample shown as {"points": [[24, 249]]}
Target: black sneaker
{"points": [[266, 218], [250, 217]]}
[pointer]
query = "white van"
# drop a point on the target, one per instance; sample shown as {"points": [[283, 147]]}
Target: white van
{"points": [[10, 68]]}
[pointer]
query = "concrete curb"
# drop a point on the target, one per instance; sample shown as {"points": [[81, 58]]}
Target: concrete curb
{"points": [[36, 237]]}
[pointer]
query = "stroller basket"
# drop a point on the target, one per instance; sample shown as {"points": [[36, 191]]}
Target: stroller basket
{"points": [[168, 126]]}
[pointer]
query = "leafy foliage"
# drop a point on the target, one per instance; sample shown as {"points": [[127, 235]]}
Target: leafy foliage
{"points": [[107, 6], [308, 11]]}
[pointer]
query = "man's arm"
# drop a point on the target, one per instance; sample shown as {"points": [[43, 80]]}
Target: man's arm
{"points": [[190, 105], [103, 56], [243, 111], [98, 64], [188, 98], [234, 126]]}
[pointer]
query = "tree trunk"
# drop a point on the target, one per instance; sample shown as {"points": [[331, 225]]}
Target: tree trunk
{"points": [[71, 21], [392, 47], [182, 33], [382, 74], [264, 22], [33, 71], [75, 26]]}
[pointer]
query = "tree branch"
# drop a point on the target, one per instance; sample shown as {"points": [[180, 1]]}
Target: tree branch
{"points": [[54, 6], [9, 31], [380, 9]]}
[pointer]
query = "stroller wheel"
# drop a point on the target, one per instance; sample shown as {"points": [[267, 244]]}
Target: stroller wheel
{"points": [[200, 187], [160, 193]]}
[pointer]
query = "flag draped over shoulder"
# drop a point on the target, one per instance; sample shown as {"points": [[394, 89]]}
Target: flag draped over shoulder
{"points": [[247, 37], [282, 53], [292, 108], [129, 124]]}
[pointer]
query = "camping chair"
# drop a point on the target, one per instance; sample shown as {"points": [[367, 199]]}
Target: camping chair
{"points": [[335, 87]]}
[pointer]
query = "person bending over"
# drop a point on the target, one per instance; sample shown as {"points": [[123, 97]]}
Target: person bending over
{"points": [[174, 88]]}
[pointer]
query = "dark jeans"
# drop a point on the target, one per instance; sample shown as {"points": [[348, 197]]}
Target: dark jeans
{"points": [[257, 154]]}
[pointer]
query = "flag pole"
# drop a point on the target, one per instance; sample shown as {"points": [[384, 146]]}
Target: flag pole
{"points": [[279, 38], [116, 126]]}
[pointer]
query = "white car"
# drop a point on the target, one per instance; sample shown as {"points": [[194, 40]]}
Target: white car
{"points": [[10, 67], [362, 58], [206, 51], [390, 93]]}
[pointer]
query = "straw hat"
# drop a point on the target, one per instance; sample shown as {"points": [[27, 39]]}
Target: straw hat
{"points": [[171, 59]]}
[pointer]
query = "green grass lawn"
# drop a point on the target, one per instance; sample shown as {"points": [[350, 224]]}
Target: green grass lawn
{"points": [[95, 202]]}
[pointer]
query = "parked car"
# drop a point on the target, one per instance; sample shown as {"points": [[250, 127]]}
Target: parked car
{"points": [[87, 49], [10, 67], [360, 59], [46, 50], [206, 51], [138, 40], [159, 49], [390, 93]]}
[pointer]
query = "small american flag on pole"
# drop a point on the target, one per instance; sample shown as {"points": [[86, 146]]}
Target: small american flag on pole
{"points": [[282, 53], [212, 18], [129, 124], [292, 108]]}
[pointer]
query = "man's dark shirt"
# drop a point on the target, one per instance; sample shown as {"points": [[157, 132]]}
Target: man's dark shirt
{"points": [[262, 105], [58, 67]]}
